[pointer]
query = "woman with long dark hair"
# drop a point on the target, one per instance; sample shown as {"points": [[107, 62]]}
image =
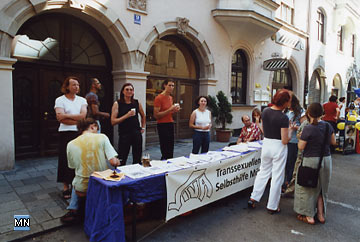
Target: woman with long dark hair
{"points": [[125, 112], [310, 201], [294, 113], [277, 134]]}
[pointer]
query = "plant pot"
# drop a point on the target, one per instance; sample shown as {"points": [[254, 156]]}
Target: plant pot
{"points": [[223, 135]]}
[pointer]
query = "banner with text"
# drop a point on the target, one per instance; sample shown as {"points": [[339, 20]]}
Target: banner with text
{"points": [[194, 187]]}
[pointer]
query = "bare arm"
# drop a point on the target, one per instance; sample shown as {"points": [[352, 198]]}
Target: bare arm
{"points": [[337, 113], [159, 115], [114, 113], [302, 144], [333, 140], [286, 135], [143, 117], [70, 119], [95, 110]]}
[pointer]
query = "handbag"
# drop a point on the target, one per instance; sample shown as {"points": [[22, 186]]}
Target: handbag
{"points": [[307, 176]]}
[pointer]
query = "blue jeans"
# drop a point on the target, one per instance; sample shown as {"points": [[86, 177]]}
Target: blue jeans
{"points": [[201, 139], [74, 204]]}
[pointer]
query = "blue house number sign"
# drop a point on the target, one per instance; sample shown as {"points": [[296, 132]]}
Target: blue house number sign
{"points": [[137, 19]]}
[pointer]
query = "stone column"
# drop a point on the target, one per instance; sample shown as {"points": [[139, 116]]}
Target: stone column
{"points": [[138, 80], [7, 144], [207, 86]]}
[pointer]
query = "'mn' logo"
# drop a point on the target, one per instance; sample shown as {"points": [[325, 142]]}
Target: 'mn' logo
{"points": [[21, 222]]}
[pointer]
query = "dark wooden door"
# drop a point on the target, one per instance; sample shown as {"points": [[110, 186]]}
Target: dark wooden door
{"points": [[35, 91], [26, 109]]}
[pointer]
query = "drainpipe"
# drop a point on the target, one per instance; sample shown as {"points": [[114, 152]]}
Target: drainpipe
{"points": [[307, 56]]}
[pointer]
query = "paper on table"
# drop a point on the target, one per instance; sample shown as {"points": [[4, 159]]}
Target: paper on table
{"points": [[158, 163], [242, 147], [106, 175], [181, 161], [255, 144], [134, 171]]}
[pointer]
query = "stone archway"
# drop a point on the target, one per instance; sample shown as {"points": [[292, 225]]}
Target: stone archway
{"points": [[15, 13], [196, 40]]}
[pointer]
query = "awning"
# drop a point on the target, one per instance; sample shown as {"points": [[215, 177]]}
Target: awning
{"points": [[275, 64]]}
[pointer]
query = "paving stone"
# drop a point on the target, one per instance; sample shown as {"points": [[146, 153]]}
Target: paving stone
{"points": [[8, 217], [56, 212], [6, 228], [40, 173], [16, 183], [55, 223], [34, 180], [27, 188], [7, 197], [42, 196], [15, 235], [28, 169], [45, 167], [48, 184], [52, 177], [9, 173], [27, 197], [40, 204], [5, 189], [41, 216], [4, 182], [11, 206], [19, 176]]}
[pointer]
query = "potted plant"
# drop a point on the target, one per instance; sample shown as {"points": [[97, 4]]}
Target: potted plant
{"points": [[220, 109]]}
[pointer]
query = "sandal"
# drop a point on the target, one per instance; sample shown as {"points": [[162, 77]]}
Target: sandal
{"points": [[304, 219], [251, 203], [66, 194], [270, 211], [318, 220]]}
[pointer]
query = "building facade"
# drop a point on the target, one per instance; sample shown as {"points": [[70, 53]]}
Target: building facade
{"points": [[248, 49]]}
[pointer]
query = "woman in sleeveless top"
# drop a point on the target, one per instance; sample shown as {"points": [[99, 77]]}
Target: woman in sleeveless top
{"points": [[277, 133], [125, 112], [200, 121]]}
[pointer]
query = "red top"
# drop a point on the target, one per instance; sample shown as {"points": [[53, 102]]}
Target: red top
{"points": [[330, 111], [252, 131], [164, 102]]}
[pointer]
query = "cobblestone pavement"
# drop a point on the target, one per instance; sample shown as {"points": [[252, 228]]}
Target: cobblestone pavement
{"points": [[31, 189]]}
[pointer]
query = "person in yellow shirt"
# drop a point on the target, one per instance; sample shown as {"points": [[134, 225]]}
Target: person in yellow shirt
{"points": [[86, 154]]}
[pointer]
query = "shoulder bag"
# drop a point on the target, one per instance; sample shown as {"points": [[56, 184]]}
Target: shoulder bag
{"points": [[307, 176]]}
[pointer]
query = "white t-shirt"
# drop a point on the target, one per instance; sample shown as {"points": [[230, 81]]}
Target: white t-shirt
{"points": [[70, 107], [342, 111], [202, 119]]}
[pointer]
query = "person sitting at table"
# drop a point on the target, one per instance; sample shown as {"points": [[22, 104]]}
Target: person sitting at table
{"points": [[86, 154], [250, 132]]}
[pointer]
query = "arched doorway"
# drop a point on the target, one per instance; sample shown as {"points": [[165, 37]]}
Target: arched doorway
{"points": [[351, 96], [315, 88], [171, 57], [50, 47], [336, 86]]}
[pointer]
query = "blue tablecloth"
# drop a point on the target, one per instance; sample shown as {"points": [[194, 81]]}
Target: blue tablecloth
{"points": [[105, 201], [104, 220]]}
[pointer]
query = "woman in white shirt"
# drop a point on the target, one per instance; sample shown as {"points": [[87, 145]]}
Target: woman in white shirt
{"points": [[200, 121], [342, 107], [69, 109]]}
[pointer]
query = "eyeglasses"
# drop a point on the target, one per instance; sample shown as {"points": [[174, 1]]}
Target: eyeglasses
{"points": [[129, 89]]}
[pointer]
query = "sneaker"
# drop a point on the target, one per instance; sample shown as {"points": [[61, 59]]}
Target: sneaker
{"points": [[70, 217]]}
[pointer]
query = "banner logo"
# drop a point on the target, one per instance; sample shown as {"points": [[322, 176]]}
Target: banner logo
{"points": [[197, 186]]}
